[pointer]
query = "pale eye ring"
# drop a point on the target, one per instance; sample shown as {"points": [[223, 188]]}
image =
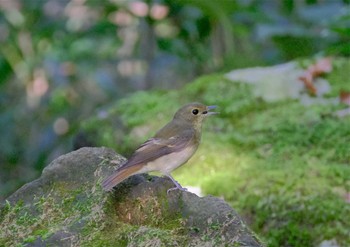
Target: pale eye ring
{"points": [[195, 111]]}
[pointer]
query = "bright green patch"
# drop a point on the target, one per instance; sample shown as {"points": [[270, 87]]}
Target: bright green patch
{"points": [[283, 166], [25, 223]]}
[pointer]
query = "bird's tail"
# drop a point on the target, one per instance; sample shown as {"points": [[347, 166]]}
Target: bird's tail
{"points": [[119, 176]]}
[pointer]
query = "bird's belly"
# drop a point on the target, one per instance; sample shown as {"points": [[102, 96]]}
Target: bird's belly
{"points": [[170, 162]]}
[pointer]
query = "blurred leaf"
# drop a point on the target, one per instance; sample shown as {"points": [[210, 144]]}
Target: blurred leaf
{"points": [[5, 71]]}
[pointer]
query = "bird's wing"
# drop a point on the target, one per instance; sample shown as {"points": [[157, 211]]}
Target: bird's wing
{"points": [[157, 147]]}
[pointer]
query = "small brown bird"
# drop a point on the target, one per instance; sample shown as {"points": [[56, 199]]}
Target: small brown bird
{"points": [[171, 147]]}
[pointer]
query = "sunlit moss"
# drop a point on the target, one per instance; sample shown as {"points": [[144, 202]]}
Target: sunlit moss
{"points": [[282, 165]]}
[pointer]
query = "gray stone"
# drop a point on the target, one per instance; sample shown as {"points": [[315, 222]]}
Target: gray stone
{"points": [[277, 82], [66, 206]]}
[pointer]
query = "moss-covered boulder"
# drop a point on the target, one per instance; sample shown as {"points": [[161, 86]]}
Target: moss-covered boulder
{"points": [[67, 207]]}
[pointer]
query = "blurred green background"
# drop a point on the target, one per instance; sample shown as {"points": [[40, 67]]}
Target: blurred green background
{"points": [[69, 71]]}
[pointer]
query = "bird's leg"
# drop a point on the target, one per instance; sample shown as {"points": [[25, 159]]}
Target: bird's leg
{"points": [[178, 186]]}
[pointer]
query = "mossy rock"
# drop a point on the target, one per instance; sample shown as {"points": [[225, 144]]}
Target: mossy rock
{"points": [[66, 206]]}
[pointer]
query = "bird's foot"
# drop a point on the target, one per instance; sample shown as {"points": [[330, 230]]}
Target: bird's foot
{"points": [[176, 188]]}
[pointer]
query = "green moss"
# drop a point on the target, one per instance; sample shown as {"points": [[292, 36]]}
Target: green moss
{"points": [[24, 223], [155, 228], [126, 235], [339, 78], [282, 165]]}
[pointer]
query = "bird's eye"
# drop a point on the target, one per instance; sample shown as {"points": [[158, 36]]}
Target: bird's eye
{"points": [[195, 111]]}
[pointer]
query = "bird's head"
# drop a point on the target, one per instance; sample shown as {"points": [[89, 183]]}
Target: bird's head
{"points": [[194, 113]]}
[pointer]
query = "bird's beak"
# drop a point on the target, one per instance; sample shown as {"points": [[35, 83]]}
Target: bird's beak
{"points": [[211, 107]]}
